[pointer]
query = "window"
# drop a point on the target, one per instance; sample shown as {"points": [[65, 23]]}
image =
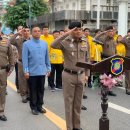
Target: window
{"points": [[73, 5], [108, 1], [67, 6], [83, 4], [61, 8]]}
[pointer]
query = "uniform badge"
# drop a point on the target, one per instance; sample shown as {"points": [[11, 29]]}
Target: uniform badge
{"points": [[117, 66], [71, 45], [72, 53], [83, 44]]}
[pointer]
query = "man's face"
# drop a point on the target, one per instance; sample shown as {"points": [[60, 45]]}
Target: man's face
{"points": [[128, 33], [86, 32], [110, 33], [62, 32], [66, 30], [26, 32], [119, 38], [115, 30], [56, 35], [77, 33], [45, 31], [20, 28], [36, 32]]}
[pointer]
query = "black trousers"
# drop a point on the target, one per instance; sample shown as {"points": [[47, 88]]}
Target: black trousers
{"points": [[36, 87], [58, 68], [16, 76]]}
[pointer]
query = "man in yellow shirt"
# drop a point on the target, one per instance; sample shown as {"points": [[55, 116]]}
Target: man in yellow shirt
{"points": [[48, 39], [120, 47], [90, 41], [115, 33], [91, 49], [98, 49], [56, 60]]}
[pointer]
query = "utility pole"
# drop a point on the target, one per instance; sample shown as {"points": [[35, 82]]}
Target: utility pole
{"points": [[123, 17], [29, 3], [29, 12], [98, 14]]}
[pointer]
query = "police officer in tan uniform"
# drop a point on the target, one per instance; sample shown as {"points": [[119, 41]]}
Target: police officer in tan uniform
{"points": [[109, 45], [6, 66], [126, 41], [74, 48], [17, 40]]}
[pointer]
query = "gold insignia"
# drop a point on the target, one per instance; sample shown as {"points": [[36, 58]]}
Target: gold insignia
{"points": [[83, 44]]}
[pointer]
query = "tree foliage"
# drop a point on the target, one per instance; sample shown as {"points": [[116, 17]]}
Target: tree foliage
{"points": [[18, 14]]}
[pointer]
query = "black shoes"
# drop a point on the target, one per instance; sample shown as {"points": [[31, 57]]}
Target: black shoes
{"points": [[77, 129], [89, 85], [127, 92], [18, 91], [35, 112], [83, 108], [110, 93], [58, 88], [53, 89], [85, 97], [38, 110], [24, 100], [41, 110], [3, 118]]}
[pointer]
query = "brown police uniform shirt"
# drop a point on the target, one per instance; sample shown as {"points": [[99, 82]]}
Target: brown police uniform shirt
{"points": [[6, 54], [18, 42], [126, 41], [15, 52], [73, 51], [109, 45]]}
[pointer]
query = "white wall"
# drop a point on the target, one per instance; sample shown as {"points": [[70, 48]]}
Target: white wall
{"points": [[64, 3]]}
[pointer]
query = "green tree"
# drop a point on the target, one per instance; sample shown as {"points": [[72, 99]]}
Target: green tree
{"points": [[18, 14]]}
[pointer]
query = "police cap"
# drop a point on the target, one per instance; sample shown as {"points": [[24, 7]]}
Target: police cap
{"points": [[75, 24]]}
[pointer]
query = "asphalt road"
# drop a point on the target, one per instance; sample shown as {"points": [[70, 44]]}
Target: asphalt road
{"points": [[20, 117]]}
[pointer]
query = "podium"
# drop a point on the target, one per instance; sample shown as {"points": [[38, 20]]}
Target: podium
{"points": [[114, 65]]}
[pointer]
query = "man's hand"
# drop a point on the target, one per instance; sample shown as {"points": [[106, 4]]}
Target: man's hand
{"points": [[86, 78], [26, 75], [70, 31], [20, 32], [8, 74], [48, 74]]}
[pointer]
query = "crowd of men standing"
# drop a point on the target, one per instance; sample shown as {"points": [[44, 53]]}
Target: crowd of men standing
{"points": [[36, 54]]}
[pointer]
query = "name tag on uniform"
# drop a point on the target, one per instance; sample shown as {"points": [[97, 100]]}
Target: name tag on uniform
{"points": [[83, 45], [72, 53], [71, 45]]}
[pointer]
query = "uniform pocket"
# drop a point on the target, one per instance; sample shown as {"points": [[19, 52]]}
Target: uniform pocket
{"points": [[3, 78], [72, 52], [83, 52]]}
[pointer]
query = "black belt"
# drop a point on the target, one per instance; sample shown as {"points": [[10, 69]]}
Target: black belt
{"points": [[20, 60], [72, 71], [3, 67]]}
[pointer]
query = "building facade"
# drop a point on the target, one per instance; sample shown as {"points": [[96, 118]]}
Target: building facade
{"points": [[62, 12]]}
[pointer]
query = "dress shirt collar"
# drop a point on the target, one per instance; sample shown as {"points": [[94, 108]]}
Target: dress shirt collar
{"points": [[36, 40]]}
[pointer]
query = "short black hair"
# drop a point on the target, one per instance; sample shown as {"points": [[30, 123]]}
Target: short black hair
{"points": [[61, 30], [109, 28], [26, 26], [97, 30], [56, 31], [35, 26], [45, 26], [128, 31], [75, 24], [86, 29]]}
